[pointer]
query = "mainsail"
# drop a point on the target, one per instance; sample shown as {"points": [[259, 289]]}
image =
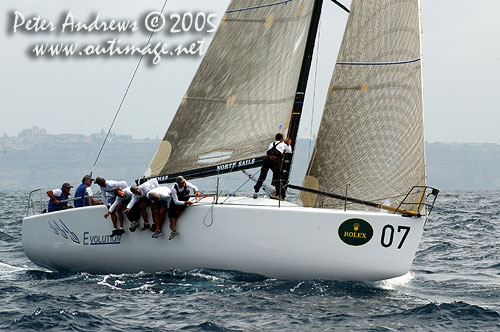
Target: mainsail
{"points": [[242, 93], [370, 144]]}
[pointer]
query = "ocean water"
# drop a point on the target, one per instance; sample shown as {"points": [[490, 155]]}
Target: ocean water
{"points": [[454, 285]]}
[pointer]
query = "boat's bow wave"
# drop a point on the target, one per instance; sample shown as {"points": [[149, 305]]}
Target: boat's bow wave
{"points": [[224, 281], [8, 268], [395, 283]]}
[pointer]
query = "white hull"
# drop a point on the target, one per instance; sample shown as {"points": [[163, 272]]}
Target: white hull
{"points": [[244, 234]]}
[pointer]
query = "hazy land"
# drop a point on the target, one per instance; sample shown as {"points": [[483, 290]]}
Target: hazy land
{"points": [[35, 159]]}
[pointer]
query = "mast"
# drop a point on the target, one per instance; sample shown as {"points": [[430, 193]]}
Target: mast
{"points": [[293, 128]]}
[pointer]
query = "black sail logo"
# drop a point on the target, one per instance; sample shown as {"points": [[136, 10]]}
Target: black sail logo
{"points": [[355, 232]]}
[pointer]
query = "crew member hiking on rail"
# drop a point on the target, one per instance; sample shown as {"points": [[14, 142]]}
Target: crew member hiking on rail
{"points": [[123, 197], [160, 198], [109, 186], [139, 196], [272, 162], [180, 200]]}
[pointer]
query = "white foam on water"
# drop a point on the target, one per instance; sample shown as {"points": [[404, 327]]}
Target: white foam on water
{"points": [[206, 276], [105, 282], [391, 284], [9, 268]]}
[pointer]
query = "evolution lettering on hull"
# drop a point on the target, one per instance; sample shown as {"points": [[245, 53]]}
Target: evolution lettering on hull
{"points": [[355, 232], [92, 240]]}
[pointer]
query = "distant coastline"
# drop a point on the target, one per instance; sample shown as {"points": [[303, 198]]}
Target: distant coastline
{"points": [[36, 159]]}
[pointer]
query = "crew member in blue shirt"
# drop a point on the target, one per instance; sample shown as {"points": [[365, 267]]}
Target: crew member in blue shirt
{"points": [[58, 195], [83, 194]]}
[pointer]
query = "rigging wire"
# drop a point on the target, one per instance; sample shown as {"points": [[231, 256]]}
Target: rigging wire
{"points": [[234, 192], [316, 73], [314, 90], [123, 98], [223, 144], [285, 2], [227, 116], [378, 199]]}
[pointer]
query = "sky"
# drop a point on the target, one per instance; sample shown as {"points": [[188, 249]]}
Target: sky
{"points": [[461, 52]]}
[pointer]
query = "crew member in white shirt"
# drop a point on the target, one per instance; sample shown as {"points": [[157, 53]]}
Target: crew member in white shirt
{"points": [[108, 187], [160, 197], [180, 200], [123, 197], [274, 156], [139, 196]]}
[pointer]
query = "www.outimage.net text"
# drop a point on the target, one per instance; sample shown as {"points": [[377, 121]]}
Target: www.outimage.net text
{"points": [[155, 23]]}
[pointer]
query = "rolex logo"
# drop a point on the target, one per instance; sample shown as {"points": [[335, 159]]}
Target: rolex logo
{"points": [[355, 232]]}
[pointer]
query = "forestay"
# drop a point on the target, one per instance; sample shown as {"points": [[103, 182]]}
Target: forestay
{"points": [[243, 91], [371, 135]]}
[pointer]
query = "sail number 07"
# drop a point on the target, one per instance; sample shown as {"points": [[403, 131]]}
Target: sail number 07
{"points": [[388, 235]]}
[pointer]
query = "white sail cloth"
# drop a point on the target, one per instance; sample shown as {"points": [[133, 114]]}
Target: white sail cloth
{"points": [[243, 91], [371, 137]]}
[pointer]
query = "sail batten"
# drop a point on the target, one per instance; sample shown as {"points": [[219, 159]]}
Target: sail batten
{"points": [[370, 144], [378, 63], [243, 91], [245, 102], [258, 7]]}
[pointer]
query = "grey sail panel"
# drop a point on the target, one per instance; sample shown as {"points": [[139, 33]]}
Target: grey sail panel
{"points": [[371, 135], [243, 91]]}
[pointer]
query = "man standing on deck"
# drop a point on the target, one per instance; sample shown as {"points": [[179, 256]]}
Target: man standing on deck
{"points": [[180, 200], [83, 194], [272, 162]]}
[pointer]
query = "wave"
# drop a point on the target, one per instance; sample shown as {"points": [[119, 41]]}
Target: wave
{"points": [[454, 316], [208, 326], [7, 267], [456, 310], [437, 247], [59, 319], [6, 237], [224, 281], [48, 275]]}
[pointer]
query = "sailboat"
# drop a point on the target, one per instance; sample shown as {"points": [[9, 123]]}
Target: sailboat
{"points": [[363, 203]]}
